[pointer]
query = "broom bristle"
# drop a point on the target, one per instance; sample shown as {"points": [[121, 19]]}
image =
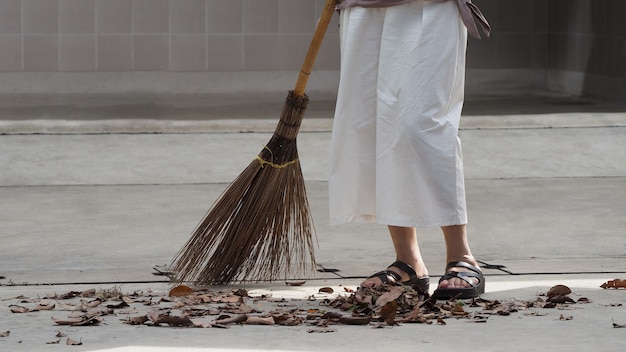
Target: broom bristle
{"points": [[260, 228]]}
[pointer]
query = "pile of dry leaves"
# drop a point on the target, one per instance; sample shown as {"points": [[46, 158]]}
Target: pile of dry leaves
{"points": [[184, 307]]}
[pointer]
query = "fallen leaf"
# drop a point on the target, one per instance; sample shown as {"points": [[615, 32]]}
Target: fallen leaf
{"points": [[173, 320], [354, 320], [391, 295], [60, 334], [321, 331], [226, 319], [45, 306], [295, 283], [88, 293], [55, 342], [73, 342], [260, 321], [459, 310], [388, 312], [560, 299], [328, 290], [137, 320], [618, 325], [616, 284], [5, 333], [562, 317], [558, 290], [19, 309], [180, 291]]}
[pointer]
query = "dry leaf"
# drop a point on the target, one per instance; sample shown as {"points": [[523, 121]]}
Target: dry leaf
{"points": [[354, 320], [226, 319], [321, 330], [388, 312], [20, 309], [5, 333], [73, 342], [459, 311], [137, 320], [173, 320], [55, 342], [88, 293], [391, 295], [60, 334], [326, 290], [260, 321], [618, 325], [295, 283], [566, 318], [45, 306], [180, 291], [616, 284], [558, 290]]}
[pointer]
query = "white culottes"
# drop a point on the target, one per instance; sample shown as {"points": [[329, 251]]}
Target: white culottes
{"points": [[395, 152]]}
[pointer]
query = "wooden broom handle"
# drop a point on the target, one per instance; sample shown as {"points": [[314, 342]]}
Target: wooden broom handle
{"points": [[314, 48]]}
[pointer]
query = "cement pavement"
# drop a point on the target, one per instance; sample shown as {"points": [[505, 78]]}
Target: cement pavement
{"points": [[97, 203]]}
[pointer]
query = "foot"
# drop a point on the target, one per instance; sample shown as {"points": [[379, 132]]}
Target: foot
{"points": [[461, 280], [456, 282], [399, 273]]}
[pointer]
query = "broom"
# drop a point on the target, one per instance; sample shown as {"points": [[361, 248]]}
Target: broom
{"points": [[261, 224]]}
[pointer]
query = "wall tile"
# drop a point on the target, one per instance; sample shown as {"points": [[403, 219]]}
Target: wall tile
{"points": [[77, 16], [41, 52], [225, 53], [150, 16], [151, 52], [114, 16], [262, 52], [541, 16], [224, 19], [328, 57], [293, 49], [187, 16], [188, 53], [297, 16], [10, 17], [260, 16], [115, 52], [10, 53], [540, 51], [40, 16], [77, 53], [482, 54], [514, 50], [515, 16]]}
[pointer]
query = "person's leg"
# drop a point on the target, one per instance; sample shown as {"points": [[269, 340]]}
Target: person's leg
{"points": [[457, 249], [407, 251]]}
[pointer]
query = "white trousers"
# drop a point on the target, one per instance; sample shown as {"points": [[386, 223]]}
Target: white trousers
{"points": [[396, 156]]}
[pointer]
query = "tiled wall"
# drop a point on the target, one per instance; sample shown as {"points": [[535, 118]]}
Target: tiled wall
{"points": [[159, 35], [579, 44], [554, 40]]}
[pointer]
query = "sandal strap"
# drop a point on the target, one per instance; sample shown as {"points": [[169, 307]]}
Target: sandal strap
{"points": [[461, 264], [385, 275], [463, 275], [407, 269]]}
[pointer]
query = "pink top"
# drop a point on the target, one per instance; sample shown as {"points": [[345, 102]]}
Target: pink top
{"points": [[469, 12]]}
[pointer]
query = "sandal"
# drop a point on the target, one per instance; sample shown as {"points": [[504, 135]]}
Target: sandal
{"points": [[419, 284], [475, 289]]}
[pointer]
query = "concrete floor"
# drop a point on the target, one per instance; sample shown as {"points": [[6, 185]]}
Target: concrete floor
{"points": [[89, 201]]}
